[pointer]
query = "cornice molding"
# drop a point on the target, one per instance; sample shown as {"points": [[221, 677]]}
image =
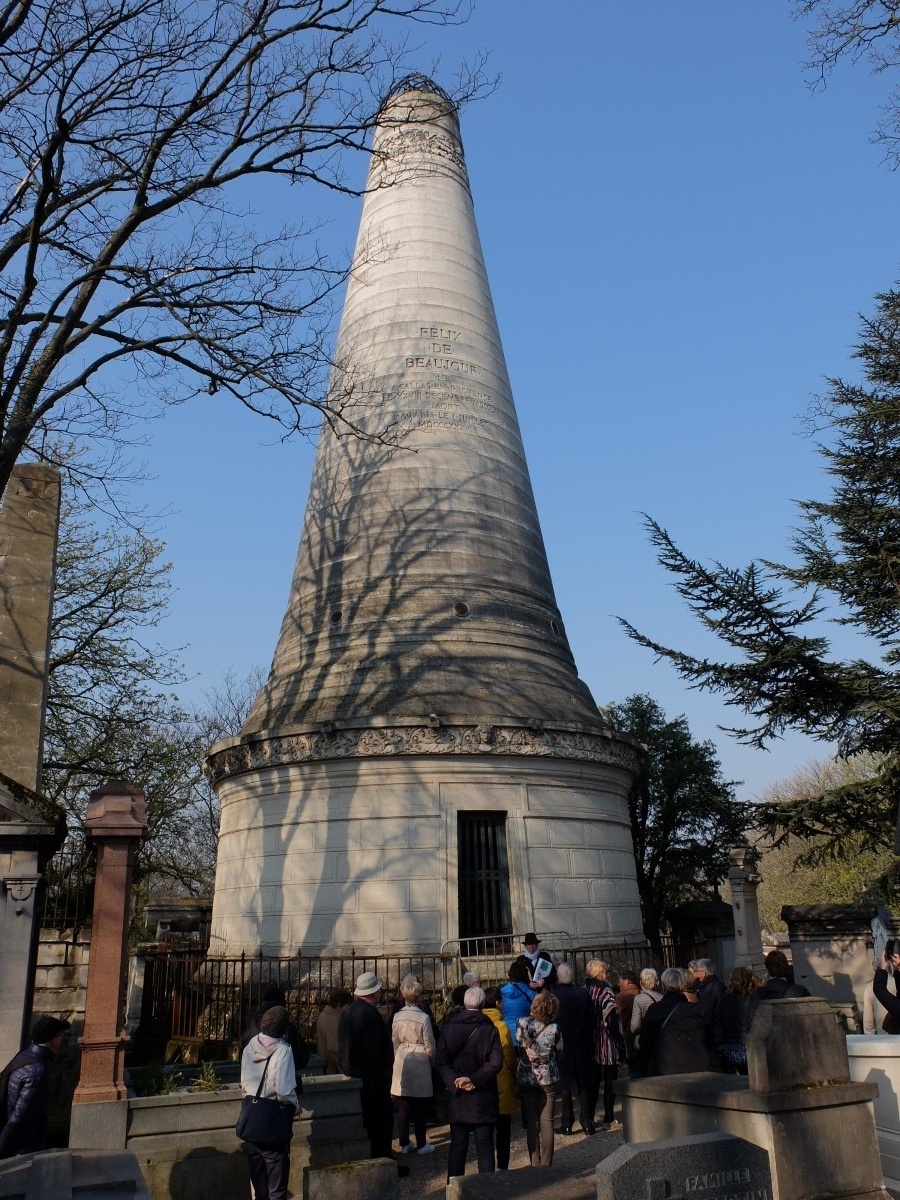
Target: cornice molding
{"points": [[414, 740]]}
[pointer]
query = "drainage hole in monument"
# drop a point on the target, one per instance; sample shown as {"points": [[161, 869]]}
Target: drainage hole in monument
{"points": [[337, 616], [461, 609]]}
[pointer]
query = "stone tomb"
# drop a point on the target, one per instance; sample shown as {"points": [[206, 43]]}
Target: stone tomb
{"points": [[64, 1174], [710, 1166], [798, 1104]]}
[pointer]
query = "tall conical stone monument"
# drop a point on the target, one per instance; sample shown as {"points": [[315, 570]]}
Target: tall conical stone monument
{"points": [[423, 763]]}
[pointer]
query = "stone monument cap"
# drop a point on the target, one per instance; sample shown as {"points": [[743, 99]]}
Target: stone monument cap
{"points": [[795, 1043], [117, 809], [715, 1165]]}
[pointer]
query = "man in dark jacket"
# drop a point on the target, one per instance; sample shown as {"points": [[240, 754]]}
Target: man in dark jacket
{"points": [[468, 1059], [366, 1053], [27, 1098], [537, 962], [576, 1062], [778, 986], [711, 992]]}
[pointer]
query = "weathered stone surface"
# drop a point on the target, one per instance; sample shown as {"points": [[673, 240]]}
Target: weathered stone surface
{"points": [[369, 1179], [63, 1174], [714, 1165], [29, 522], [876, 1059], [423, 668], [332, 811], [795, 1043]]}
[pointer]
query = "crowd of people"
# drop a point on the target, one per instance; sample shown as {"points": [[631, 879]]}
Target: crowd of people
{"points": [[531, 1046], [539, 1038]]}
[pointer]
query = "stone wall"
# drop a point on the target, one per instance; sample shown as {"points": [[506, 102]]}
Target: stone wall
{"points": [[60, 983], [304, 863]]}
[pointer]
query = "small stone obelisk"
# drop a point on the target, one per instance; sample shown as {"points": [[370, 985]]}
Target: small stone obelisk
{"points": [[29, 526], [423, 763]]}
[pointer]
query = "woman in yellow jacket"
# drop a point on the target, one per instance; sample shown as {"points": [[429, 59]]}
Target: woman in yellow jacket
{"points": [[506, 1080]]}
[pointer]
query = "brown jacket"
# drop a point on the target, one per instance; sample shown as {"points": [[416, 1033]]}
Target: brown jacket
{"points": [[327, 1038]]}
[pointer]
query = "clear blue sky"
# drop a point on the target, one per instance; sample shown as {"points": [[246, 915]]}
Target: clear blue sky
{"points": [[679, 235]]}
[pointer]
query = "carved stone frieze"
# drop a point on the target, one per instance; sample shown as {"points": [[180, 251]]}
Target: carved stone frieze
{"points": [[387, 741], [420, 144]]}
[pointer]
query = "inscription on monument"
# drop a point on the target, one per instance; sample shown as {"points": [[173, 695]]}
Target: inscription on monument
{"points": [[443, 400], [710, 1166]]}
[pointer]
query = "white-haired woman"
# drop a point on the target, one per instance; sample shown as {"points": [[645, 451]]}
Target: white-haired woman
{"points": [[411, 1085], [650, 994], [676, 1036], [469, 1058]]}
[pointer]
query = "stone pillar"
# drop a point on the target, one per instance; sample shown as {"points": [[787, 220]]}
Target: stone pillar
{"points": [[31, 829], [116, 820], [29, 524], [744, 878]]}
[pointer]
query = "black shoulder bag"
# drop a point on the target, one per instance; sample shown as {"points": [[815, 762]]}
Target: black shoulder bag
{"points": [[263, 1120]]}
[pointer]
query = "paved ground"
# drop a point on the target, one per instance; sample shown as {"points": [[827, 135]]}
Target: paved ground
{"points": [[572, 1176]]}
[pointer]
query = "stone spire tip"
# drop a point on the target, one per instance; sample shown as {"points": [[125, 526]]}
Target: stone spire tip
{"points": [[416, 81]]}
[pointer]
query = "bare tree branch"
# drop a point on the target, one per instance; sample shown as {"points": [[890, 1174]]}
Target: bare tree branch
{"points": [[130, 133]]}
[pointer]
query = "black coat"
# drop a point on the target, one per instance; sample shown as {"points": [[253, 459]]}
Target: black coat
{"points": [[469, 1045], [365, 1050], [711, 1002], [886, 999], [574, 1021], [28, 1100], [776, 988], [676, 1037]]}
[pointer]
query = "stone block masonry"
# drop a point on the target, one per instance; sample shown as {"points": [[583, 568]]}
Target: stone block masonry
{"points": [[422, 687]]}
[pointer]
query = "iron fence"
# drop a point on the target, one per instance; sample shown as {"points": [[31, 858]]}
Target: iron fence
{"points": [[490, 956], [189, 997], [69, 885]]}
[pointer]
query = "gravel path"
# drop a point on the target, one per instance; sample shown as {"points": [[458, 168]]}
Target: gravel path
{"points": [[577, 1155]]}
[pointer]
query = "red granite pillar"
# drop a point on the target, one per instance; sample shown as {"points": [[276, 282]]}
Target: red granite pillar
{"points": [[116, 820]]}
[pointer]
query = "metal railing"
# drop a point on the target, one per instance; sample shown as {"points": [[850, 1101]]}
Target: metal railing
{"points": [[188, 996], [490, 956], [68, 891]]}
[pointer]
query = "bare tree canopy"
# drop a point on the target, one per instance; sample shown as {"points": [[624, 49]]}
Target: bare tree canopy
{"points": [[860, 29], [136, 137]]}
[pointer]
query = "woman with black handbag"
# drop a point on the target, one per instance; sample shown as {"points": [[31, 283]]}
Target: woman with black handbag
{"points": [[269, 1106]]}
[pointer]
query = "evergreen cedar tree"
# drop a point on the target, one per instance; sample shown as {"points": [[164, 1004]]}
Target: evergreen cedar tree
{"points": [[780, 668], [684, 817]]}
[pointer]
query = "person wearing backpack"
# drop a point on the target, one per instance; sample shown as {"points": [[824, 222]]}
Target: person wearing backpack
{"points": [[25, 1089]]}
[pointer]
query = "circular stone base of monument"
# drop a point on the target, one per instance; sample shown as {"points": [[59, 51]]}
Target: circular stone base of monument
{"points": [[367, 851]]}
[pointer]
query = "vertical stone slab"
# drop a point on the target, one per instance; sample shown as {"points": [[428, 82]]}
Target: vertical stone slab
{"points": [[116, 820], [744, 878], [29, 526]]}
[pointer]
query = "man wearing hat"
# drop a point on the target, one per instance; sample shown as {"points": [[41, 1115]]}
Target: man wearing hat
{"points": [[537, 962], [27, 1099], [366, 1053]]}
